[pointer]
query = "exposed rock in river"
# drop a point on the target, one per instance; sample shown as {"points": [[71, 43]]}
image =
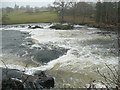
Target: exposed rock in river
{"points": [[62, 26], [34, 27]]}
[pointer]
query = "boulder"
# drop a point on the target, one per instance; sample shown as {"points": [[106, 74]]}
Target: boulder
{"points": [[44, 81], [34, 27], [12, 84], [62, 26], [14, 79]]}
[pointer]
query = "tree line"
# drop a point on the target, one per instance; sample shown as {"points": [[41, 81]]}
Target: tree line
{"points": [[68, 8], [107, 12], [76, 12], [100, 12]]}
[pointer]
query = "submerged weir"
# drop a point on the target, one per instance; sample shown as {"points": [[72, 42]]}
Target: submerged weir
{"points": [[71, 56]]}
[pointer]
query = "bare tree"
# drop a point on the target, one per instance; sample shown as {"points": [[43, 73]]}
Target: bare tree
{"points": [[73, 5], [111, 77], [60, 6]]}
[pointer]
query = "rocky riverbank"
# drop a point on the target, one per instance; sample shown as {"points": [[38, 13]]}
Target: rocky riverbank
{"points": [[14, 79]]}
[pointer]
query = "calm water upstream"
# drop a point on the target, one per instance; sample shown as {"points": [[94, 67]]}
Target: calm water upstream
{"points": [[70, 56]]}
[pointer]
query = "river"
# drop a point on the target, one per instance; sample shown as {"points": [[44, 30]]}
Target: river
{"points": [[70, 56]]}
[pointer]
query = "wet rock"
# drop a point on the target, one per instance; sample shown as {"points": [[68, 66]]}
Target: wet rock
{"points": [[29, 43], [29, 26], [25, 33], [22, 26], [14, 79], [43, 80], [62, 26], [34, 27], [105, 33], [46, 82], [12, 84]]}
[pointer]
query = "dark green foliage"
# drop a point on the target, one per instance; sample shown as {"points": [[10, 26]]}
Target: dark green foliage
{"points": [[62, 27]]}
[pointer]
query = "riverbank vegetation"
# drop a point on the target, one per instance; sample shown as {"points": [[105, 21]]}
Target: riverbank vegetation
{"points": [[91, 13], [98, 14]]}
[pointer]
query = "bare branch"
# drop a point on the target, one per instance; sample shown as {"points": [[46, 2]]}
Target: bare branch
{"points": [[111, 71], [6, 68], [4, 64], [25, 80]]}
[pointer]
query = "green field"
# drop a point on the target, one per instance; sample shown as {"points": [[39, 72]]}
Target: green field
{"points": [[22, 17]]}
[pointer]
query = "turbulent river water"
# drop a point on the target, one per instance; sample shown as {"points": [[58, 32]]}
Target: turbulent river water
{"points": [[70, 56]]}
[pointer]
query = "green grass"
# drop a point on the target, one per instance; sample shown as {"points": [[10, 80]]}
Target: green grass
{"points": [[22, 17]]}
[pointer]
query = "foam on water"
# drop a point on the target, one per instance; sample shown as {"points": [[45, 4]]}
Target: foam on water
{"points": [[67, 39], [78, 57], [91, 28], [87, 50]]}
